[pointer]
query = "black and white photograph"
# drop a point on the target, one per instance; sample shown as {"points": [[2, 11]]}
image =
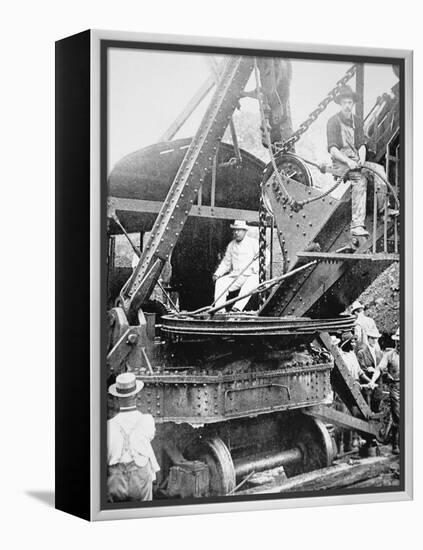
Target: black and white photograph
{"points": [[211, 278], [253, 275]]}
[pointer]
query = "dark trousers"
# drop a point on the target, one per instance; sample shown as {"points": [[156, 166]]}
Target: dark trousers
{"points": [[373, 398], [394, 401], [128, 482]]}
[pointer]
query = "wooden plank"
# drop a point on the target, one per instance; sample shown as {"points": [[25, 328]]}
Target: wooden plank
{"points": [[343, 420], [193, 103], [334, 477], [351, 386], [339, 256]]}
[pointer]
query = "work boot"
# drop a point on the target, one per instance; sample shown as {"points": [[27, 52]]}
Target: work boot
{"points": [[359, 232]]}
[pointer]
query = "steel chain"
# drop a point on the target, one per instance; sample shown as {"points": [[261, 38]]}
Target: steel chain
{"points": [[262, 247], [283, 147]]}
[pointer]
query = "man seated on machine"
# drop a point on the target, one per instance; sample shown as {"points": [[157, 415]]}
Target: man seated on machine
{"points": [[239, 268], [347, 147]]}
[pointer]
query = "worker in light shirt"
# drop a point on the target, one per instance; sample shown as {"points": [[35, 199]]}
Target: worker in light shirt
{"points": [[239, 268], [131, 461], [363, 324], [348, 343], [347, 349]]}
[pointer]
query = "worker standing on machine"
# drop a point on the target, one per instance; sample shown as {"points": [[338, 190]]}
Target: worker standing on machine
{"points": [[131, 461], [390, 366], [347, 146], [239, 268]]}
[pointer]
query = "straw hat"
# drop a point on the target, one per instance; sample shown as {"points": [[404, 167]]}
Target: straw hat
{"points": [[373, 333], [240, 224], [126, 385]]}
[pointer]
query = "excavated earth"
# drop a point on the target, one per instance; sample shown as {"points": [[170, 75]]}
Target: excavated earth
{"points": [[382, 300]]}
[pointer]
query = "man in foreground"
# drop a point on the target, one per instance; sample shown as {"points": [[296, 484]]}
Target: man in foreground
{"points": [[132, 465], [239, 268]]}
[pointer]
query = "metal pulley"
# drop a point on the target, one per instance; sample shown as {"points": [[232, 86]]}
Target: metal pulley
{"points": [[290, 167]]}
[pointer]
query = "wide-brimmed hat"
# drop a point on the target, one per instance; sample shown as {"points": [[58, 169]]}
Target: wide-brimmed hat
{"points": [[356, 305], [396, 335], [240, 224], [126, 385], [346, 92], [373, 333]]}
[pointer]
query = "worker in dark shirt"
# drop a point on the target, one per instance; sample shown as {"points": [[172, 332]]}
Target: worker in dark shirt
{"points": [[347, 146], [389, 367]]}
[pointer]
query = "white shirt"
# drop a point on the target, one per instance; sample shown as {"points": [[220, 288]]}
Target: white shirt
{"points": [[373, 353], [140, 430], [352, 363], [363, 325], [237, 256]]}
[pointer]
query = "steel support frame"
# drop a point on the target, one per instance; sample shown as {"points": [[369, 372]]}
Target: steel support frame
{"points": [[177, 205], [344, 420]]}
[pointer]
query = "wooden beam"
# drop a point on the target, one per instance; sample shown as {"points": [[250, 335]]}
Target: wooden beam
{"points": [[339, 256], [359, 88], [346, 381], [333, 477], [216, 71], [184, 115], [329, 414], [153, 207]]}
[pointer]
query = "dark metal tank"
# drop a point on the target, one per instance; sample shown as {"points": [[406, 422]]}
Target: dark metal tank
{"points": [[140, 182]]}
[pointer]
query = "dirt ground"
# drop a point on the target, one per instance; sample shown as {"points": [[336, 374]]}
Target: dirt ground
{"points": [[382, 300]]}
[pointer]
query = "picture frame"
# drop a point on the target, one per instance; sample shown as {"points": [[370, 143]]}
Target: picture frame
{"points": [[93, 343]]}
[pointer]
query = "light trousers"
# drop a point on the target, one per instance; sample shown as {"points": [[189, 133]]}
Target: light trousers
{"points": [[359, 192], [244, 284]]}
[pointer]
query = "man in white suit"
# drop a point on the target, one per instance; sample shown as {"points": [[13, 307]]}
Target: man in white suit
{"points": [[239, 268]]}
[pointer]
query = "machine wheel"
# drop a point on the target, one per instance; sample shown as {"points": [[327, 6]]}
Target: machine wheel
{"points": [[290, 165], [315, 442], [213, 452], [295, 168]]}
